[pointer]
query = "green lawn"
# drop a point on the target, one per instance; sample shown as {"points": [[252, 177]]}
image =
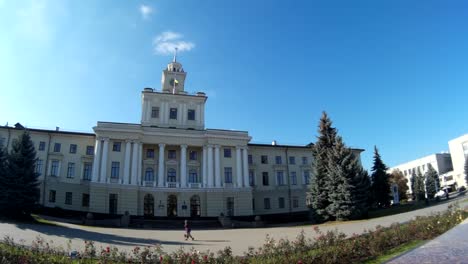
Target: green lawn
{"points": [[394, 252]]}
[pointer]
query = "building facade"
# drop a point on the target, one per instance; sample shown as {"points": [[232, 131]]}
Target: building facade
{"points": [[459, 152], [169, 164]]}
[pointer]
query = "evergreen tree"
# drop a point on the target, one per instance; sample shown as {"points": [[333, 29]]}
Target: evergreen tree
{"points": [[3, 163], [361, 191], [419, 188], [413, 181], [339, 185], [318, 191], [431, 182], [397, 177], [380, 181], [19, 192], [466, 170]]}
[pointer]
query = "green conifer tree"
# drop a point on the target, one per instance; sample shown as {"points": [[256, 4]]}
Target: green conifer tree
{"points": [[380, 181], [420, 193], [431, 177], [413, 182], [20, 191], [324, 144]]}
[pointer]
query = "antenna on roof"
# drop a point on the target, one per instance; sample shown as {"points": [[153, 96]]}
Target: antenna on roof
{"points": [[175, 54]]}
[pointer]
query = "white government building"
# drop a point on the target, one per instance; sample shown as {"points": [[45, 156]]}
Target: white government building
{"points": [[169, 164], [449, 166]]}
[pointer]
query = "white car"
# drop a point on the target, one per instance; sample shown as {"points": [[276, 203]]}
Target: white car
{"points": [[440, 194]]}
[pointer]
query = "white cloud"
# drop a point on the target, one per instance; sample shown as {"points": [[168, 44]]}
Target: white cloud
{"points": [[146, 11], [166, 42]]}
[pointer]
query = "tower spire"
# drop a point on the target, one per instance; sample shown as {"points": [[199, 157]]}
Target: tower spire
{"points": [[175, 55]]}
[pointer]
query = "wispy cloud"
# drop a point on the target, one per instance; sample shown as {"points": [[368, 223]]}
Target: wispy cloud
{"points": [[166, 42], [146, 11]]}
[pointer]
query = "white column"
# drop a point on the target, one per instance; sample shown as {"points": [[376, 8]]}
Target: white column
{"points": [[238, 166], [217, 167], [134, 163], [161, 166], [245, 162], [105, 151], [204, 166], [97, 159], [183, 166], [210, 166], [140, 150], [126, 179]]}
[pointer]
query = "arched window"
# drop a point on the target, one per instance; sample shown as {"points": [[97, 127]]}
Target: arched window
{"points": [[195, 206], [171, 175], [193, 176], [149, 174]]}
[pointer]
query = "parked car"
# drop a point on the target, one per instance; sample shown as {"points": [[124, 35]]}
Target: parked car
{"points": [[440, 194]]}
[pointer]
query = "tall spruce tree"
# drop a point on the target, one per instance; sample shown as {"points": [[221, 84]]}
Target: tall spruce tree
{"points": [[419, 188], [380, 181], [413, 181], [325, 142], [20, 193], [431, 182], [362, 197]]}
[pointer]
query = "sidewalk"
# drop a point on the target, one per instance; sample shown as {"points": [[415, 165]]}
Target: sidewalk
{"points": [[451, 247]]}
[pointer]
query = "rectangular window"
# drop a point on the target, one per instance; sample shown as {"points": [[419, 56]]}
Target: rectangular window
{"points": [[227, 153], [266, 203], [306, 177], [116, 146], [251, 178], [150, 153], [71, 170], [171, 154], [292, 160], [264, 159], [250, 159], [228, 175], [155, 112], [89, 150], [280, 178], [54, 169], [57, 147], [304, 161], [115, 170], [278, 160], [87, 169], [295, 202], [265, 178], [113, 203], [52, 194], [73, 148], [68, 198], [41, 146], [293, 178], [39, 165], [191, 114], [173, 113], [281, 202], [85, 200], [193, 155]]}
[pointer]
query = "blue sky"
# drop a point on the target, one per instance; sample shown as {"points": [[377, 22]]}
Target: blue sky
{"points": [[389, 73]]}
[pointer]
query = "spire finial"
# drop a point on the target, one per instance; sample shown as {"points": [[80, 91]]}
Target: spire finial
{"points": [[175, 55]]}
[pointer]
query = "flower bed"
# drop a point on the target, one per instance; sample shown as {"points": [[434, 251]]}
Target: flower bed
{"points": [[329, 247]]}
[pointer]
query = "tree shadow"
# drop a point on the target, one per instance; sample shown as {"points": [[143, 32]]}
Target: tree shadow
{"points": [[76, 233]]}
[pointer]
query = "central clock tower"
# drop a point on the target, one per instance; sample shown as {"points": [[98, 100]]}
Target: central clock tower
{"points": [[173, 78]]}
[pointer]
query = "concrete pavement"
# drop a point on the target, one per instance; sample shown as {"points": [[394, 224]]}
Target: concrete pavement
{"points": [[238, 239]]}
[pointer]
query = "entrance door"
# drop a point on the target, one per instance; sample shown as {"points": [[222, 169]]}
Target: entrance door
{"points": [[195, 206], [113, 203], [230, 206], [148, 205], [172, 205]]}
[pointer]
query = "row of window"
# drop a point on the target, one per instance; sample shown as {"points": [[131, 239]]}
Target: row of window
{"points": [[280, 178], [279, 160], [410, 172], [71, 168], [173, 113], [73, 148], [281, 203], [69, 198]]}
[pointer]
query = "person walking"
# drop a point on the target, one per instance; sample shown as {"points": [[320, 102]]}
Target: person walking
{"points": [[188, 231]]}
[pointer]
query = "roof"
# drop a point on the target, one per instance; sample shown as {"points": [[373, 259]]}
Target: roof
{"points": [[50, 131]]}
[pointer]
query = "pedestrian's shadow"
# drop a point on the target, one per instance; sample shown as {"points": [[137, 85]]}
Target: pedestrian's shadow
{"points": [[212, 240], [76, 233]]}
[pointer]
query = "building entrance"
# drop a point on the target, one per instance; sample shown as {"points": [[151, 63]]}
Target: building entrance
{"points": [[172, 205]]}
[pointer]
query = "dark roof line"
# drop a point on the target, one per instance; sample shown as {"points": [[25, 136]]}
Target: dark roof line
{"points": [[51, 131], [278, 146]]}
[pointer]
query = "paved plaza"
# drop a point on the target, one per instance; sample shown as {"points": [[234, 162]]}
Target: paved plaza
{"points": [[238, 239]]}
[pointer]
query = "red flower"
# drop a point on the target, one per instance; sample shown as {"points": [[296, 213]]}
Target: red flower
{"points": [[193, 261], [160, 258], [205, 258], [107, 249], [299, 262]]}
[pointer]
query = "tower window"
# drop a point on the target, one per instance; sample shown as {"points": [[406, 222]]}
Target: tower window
{"points": [[191, 114], [173, 113], [155, 112]]}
